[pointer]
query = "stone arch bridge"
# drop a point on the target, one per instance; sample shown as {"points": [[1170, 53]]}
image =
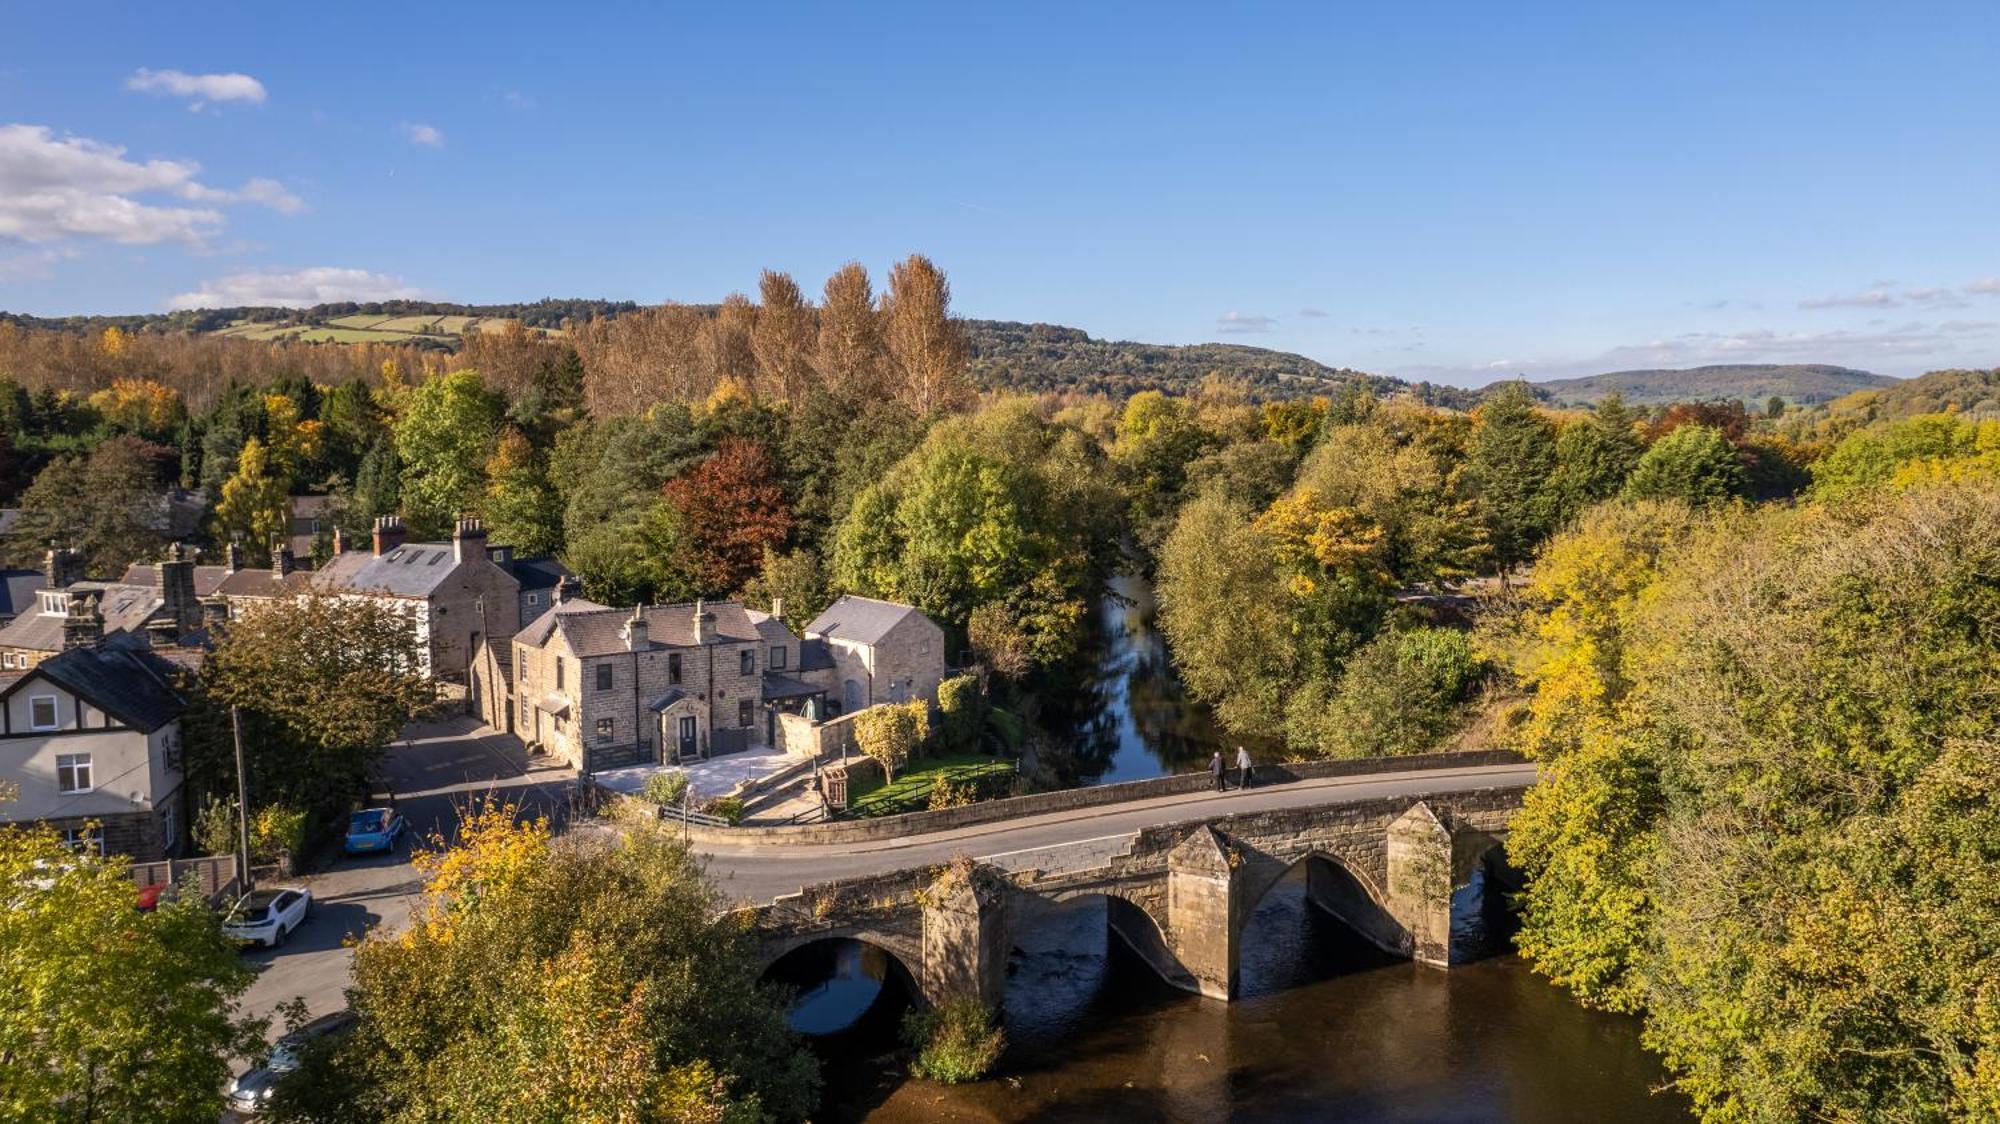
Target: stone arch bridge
{"points": [[1180, 893]]}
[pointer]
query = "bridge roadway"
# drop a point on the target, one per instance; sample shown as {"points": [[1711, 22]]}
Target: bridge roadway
{"points": [[756, 873]]}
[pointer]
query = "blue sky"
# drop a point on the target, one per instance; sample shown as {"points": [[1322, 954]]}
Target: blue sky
{"points": [[1462, 192]]}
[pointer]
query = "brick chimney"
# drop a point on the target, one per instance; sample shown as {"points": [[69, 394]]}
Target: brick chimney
{"points": [[388, 533], [83, 625], [282, 562], [62, 566], [468, 541], [173, 583], [214, 610], [704, 623], [339, 541], [635, 630], [778, 609]]}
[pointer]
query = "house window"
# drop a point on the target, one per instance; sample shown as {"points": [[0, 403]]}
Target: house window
{"points": [[42, 712], [559, 673], [746, 712], [604, 677], [746, 661], [170, 833], [532, 598], [778, 658], [604, 731], [674, 668], [85, 840], [73, 772]]}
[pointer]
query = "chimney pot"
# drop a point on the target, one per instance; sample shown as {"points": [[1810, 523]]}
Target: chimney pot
{"points": [[388, 533]]}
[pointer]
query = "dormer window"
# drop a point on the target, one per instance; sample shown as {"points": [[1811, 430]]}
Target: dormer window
{"points": [[42, 712]]}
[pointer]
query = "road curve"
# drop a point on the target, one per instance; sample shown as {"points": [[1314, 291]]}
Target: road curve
{"points": [[748, 873]]}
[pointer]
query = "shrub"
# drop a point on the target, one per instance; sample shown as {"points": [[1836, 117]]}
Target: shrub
{"points": [[1399, 694], [945, 794], [892, 732], [956, 1042], [666, 789], [215, 827], [963, 708], [727, 808], [275, 832]]}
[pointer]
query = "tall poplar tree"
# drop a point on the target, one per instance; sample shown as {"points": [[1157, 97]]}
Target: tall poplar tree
{"points": [[849, 355], [927, 347], [783, 338]]}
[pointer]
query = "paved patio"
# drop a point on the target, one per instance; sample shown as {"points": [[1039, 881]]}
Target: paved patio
{"points": [[718, 776]]}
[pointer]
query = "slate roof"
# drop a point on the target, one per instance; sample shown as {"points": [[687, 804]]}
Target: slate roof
{"points": [[18, 589], [265, 583], [206, 578], [126, 682], [780, 686], [863, 620], [411, 570], [126, 608], [539, 573], [815, 655], [590, 629], [666, 698]]}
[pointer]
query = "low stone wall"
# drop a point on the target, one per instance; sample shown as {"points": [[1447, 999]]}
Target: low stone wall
{"points": [[990, 811]]}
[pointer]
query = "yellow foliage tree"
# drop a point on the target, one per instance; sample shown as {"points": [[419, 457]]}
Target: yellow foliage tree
{"points": [[255, 508]]}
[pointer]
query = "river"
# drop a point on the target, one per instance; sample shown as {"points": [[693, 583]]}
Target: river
{"points": [[1327, 1028]]}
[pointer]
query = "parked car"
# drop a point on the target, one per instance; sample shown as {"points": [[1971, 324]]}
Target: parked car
{"points": [[251, 1092], [374, 829], [267, 917]]}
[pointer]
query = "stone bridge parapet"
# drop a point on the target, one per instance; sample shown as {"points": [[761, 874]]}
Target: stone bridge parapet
{"points": [[1180, 895]]}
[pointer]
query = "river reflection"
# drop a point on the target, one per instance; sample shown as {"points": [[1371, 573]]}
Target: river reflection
{"points": [[1328, 1028], [1131, 719]]}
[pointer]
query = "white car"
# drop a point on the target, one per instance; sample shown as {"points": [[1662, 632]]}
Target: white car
{"points": [[267, 917]]}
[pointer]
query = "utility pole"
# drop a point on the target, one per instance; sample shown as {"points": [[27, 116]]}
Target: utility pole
{"points": [[242, 804]]}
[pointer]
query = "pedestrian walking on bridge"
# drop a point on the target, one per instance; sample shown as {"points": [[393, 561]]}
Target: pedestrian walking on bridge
{"points": [[1215, 769], [1243, 767]]}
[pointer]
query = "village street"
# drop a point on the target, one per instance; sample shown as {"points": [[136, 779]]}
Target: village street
{"points": [[433, 771]]}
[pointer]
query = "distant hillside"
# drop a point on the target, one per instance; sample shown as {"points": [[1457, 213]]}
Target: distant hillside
{"points": [[1975, 394], [437, 324], [1008, 355], [1802, 384]]}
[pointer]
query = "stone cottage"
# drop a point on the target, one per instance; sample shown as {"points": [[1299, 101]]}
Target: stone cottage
{"points": [[161, 601], [452, 593], [867, 651]]}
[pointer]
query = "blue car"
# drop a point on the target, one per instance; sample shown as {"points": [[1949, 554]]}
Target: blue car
{"points": [[374, 829]]}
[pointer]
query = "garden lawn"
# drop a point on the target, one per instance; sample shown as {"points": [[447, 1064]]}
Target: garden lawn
{"points": [[911, 790]]}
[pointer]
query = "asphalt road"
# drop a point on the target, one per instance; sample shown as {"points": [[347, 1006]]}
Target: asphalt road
{"points": [[434, 772], [752, 873]]}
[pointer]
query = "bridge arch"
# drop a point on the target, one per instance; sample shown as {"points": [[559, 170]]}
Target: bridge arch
{"points": [[841, 980], [1338, 889]]}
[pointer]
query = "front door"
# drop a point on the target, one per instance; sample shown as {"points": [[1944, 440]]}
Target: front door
{"points": [[688, 734]]}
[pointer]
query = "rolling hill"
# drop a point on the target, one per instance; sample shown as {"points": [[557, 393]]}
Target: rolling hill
{"points": [[1803, 384]]}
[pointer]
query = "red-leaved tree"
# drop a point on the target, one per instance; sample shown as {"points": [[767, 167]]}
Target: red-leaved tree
{"points": [[732, 507]]}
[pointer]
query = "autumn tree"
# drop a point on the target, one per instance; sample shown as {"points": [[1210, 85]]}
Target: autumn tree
{"points": [[926, 345], [255, 508], [733, 507], [564, 980], [111, 1013], [109, 505], [1695, 463], [521, 508], [849, 355], [727, 348], [324, 683], [783, 338]]}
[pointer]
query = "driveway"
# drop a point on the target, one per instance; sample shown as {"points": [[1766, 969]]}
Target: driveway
{"points": [[432, 772]]}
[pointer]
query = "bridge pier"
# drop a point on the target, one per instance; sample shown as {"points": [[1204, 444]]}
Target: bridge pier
{"points": [[1205, 911], [965, 939], [1421, 870]]}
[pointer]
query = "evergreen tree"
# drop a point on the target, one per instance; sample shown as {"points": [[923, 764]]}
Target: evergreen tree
{"points": [[1513, 459], [1695, 463]]}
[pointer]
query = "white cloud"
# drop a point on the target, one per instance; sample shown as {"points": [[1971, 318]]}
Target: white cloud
{"points": [[1238, 322], [202, 88], [31, 266], [1873, 298], [1985, 286], [1313, 313], [295, 288], [53, 188], [430, 136], [515, 99]]}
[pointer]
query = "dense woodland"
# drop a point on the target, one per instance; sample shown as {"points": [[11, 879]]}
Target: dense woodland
{"points": [[1757, 648]]}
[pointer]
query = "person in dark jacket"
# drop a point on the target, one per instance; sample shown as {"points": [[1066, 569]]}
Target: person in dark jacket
{"points": [[1215, 769]]}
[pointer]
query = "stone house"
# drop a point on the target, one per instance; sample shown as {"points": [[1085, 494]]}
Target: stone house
{"points": [[867, 651], [92, 736], [311, 519], [603, 687], [454, 595], [161, 601]]}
